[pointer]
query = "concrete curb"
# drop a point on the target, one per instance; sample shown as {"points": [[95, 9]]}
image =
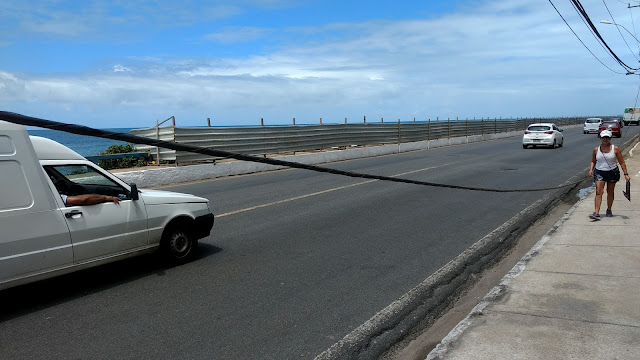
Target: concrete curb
{"points": [[505, 289], [497, 291]]}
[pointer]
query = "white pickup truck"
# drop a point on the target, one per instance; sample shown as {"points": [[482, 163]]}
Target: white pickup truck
{"points": [[41, 237]]}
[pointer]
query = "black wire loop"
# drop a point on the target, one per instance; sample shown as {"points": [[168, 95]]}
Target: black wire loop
{"points": [[84, 130]]}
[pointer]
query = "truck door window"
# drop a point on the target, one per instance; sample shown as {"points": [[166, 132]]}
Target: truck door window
{"points": [[82, 179]]}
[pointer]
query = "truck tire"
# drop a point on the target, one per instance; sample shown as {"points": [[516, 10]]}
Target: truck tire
{"points": [[178, 245]]}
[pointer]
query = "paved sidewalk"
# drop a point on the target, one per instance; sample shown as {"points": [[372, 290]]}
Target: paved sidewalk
{"points": [[576, 295]]}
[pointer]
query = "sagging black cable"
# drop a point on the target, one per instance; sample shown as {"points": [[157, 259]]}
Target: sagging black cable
{"points": [[586, 21], [582, 42], [580, 9], [84, 130], [620, 32]]}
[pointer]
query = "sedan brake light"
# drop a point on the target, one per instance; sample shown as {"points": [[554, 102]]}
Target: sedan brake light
{"points": [[548, 132], [527, 132]]}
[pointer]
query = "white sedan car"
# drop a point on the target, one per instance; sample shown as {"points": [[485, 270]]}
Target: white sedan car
{"points": [[591, 125], [547, 134]]}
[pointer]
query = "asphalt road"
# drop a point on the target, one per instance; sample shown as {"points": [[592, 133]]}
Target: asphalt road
{"points": [[296, 260]]}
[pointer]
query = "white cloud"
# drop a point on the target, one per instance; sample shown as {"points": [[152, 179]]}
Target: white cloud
{"points": [[120, 68], [237, 34], [107, 19], [497, 58]]}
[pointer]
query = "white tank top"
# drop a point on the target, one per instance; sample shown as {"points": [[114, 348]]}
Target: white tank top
{"points": [[606, 161]]}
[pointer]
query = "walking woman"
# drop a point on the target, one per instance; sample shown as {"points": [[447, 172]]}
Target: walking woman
{"points": [[604, 169]]}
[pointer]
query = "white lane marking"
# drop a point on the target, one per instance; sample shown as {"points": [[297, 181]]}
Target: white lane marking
{"points": [[322, 192], [291, 199]]}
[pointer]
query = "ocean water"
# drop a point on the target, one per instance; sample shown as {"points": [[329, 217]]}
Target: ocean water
{"points": [[83, 145]]}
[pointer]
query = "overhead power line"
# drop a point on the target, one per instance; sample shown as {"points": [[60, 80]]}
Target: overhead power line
{"points": [[582, 12], [582, 42], [620, 32]]}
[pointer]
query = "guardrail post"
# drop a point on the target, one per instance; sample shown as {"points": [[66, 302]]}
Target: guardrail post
{"points": [[381, 120], [365, 119], [428, 132], [466, 128], [320, 121], [399, 136], [208, 122], [294, 121], [345, 121], [482, 127], [495, 125], [448, 129], [157, 138], [261, 122]]}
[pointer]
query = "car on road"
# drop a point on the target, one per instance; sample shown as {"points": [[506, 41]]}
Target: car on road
{"points": [[611, 125], [618, 120], [60, 213], [591, 125], [543, 134]]}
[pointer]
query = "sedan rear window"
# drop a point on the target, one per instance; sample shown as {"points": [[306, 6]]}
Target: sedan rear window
{"points": [[593, 121], [539, 128]]}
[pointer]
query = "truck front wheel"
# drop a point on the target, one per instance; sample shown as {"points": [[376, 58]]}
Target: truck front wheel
{"points": [[178, 245]]}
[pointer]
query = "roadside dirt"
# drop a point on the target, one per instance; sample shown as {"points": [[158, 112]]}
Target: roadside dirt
{"points": [[419, 348]]}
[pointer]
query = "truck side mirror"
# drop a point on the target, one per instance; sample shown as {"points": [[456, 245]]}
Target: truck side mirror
{"points": [[134, 191]]}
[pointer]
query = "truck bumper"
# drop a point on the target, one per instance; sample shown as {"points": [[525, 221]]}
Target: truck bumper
{"points": [[202, 226]]}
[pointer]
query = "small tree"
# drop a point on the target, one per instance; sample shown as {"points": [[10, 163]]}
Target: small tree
{"points": [[121, 163]]}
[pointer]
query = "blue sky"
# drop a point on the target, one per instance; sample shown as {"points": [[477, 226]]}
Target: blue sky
{"points": [[116, 63]]}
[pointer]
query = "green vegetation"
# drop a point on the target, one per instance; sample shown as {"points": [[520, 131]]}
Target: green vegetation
{"points": [[121, 163]]}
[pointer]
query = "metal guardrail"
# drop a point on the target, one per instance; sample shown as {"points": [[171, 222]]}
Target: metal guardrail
{"points": [[290, 139], [165, 133]]}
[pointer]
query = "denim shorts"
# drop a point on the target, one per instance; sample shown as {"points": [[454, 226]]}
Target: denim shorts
{"points": [[610, 177]]}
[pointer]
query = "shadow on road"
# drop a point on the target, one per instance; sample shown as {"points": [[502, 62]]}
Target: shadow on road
{"points": [[21, 300]]}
